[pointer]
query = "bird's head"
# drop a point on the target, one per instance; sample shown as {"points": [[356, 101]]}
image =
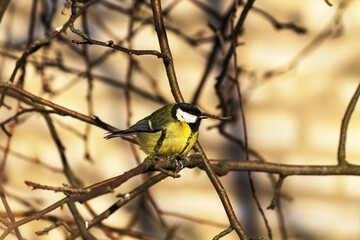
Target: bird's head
{"points": [[188, 113]]}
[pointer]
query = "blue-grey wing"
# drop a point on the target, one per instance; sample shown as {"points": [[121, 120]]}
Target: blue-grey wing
{"points": [[144, 125]]}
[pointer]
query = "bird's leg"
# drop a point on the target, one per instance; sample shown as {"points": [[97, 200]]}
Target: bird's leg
{"points": [[154, 159], [174, 174], [178, 160], [178, 163]]}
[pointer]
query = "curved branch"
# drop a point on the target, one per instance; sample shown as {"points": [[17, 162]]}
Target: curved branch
{"points": [[344, 126]]}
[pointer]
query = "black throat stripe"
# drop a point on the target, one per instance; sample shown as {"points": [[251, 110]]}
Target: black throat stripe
{"points": [[195, 126]]}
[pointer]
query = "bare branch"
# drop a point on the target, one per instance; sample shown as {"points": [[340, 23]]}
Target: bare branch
{"points": [[344, 127]]}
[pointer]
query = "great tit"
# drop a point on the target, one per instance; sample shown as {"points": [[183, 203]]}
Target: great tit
{"points": [[181, 121]]}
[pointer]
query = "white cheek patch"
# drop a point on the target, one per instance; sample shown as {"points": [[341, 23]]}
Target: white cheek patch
{"points": [[184, 116]]}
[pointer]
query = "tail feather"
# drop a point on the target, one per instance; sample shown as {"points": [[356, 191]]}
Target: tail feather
{"points": [[122, 133]]}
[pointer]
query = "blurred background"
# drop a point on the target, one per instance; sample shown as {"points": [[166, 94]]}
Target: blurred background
{"points": [[296, 83]]}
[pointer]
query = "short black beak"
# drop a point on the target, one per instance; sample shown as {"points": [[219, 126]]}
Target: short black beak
{"points": [[203, 116]]}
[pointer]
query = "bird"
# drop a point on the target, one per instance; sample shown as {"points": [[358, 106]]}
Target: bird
{"points": [[181, 122]]}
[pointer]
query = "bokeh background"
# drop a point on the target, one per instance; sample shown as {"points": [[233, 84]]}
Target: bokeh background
{"points": [[293, 115]]}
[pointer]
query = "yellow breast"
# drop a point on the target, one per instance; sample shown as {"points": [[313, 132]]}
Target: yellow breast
{"points": [[179, 140]]}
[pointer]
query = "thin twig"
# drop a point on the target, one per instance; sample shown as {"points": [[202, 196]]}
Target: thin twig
{"points": [[32, 217], [344, 127], [85, 234], [276, 196], [36, 45], [90, 84], [66, 189], [211, 59], [194, 219], [225, 64], [243, 121], [54, 226], [328, 3], [62, 110], [124, 200], [72, 178], [9, 213], [111, 44], [280, 25], [223, 233]]}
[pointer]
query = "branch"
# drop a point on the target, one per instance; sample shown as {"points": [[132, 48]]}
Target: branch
{"points": [[275, 199], [165, 49], [57, 63], [221, 192], [3, 5], [9, 213], [328, 3], [66, 189], [220, 167], [79, 221], [61, 110], [211, 59], [111, 44], [230, 53], [33, 217], [170, 70], [36, 45], [74, 181], [344, 126], [279, 25], [123, 200]]}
